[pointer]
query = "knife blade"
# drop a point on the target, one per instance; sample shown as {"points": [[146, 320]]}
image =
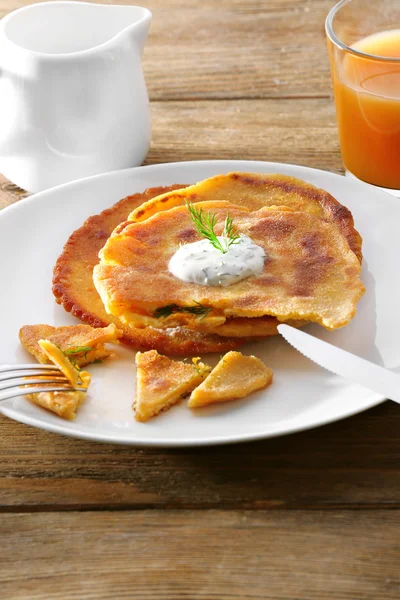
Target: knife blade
{"points": [[343, 363]]}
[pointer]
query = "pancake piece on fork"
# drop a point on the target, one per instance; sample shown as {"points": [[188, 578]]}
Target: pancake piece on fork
{"points": [[64, 404]]}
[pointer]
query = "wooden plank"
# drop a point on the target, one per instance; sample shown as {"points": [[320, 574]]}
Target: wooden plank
{"points": [[301, 131], [177, 555], [232, 48], [354, 463]]}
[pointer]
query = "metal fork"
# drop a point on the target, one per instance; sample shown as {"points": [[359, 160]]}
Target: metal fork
{"points": [[17, 380]]}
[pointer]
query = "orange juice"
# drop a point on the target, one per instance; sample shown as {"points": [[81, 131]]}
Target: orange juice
{"points": [[367, 95]]}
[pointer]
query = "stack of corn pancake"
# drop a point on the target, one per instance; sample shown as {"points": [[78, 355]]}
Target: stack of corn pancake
{"points": [[114, 269]]}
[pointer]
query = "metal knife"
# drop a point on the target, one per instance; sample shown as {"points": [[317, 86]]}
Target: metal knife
{"points": [[344, 363]]}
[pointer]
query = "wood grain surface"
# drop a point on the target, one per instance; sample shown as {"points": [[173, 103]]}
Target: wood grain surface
{"points": [[351, 464], [311, 516], [192, 555]]}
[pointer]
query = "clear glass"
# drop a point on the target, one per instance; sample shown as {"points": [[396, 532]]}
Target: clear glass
{"points": [[364, 49]]}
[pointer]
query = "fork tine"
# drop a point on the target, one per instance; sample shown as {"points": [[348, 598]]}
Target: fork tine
{"points": [[28, 382], [20, 380], [38, 373], [7, 368], [36, 390]]}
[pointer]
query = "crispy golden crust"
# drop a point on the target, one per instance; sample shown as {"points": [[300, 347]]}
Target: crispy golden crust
{"points": [[235, 376], [73, 285], [310, 273], [255, 191], [70, 338], [162, 382]]}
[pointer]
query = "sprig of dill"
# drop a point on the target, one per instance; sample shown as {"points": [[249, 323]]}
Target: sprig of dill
{"points": [[73, 354], [78, 350], [205, 224], [198, 310]]}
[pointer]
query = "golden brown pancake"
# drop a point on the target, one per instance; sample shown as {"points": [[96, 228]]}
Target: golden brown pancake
{"points": [[254, 191], [73, 286], [73, 272], [310, 272]]}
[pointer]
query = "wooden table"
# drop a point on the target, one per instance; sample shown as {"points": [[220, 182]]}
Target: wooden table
{"points": [[307, 516]]}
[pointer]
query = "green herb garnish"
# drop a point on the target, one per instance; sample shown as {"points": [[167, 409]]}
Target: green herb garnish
{"points": [[73, 354], [205, 224], [165, 311], [83, 350]]}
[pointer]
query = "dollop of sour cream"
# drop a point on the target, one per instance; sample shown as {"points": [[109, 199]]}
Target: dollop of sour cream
{"points": [[200, 262]]}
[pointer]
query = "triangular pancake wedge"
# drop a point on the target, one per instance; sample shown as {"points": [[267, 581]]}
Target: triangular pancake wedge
{"points": [[162, 382], [235, 376]]}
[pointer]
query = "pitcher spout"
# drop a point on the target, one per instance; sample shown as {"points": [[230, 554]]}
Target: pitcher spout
{"points": [[142, 32], [134, 22]]}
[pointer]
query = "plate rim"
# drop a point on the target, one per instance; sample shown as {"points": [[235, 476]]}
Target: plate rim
{"points": [[183, 443], [15, 414], [124, 172]]}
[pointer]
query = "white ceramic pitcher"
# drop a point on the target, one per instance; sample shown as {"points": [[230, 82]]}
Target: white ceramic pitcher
{"points": [[73, 101]]}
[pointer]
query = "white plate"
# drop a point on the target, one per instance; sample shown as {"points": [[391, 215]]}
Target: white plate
{"points": [[32, 234]]}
